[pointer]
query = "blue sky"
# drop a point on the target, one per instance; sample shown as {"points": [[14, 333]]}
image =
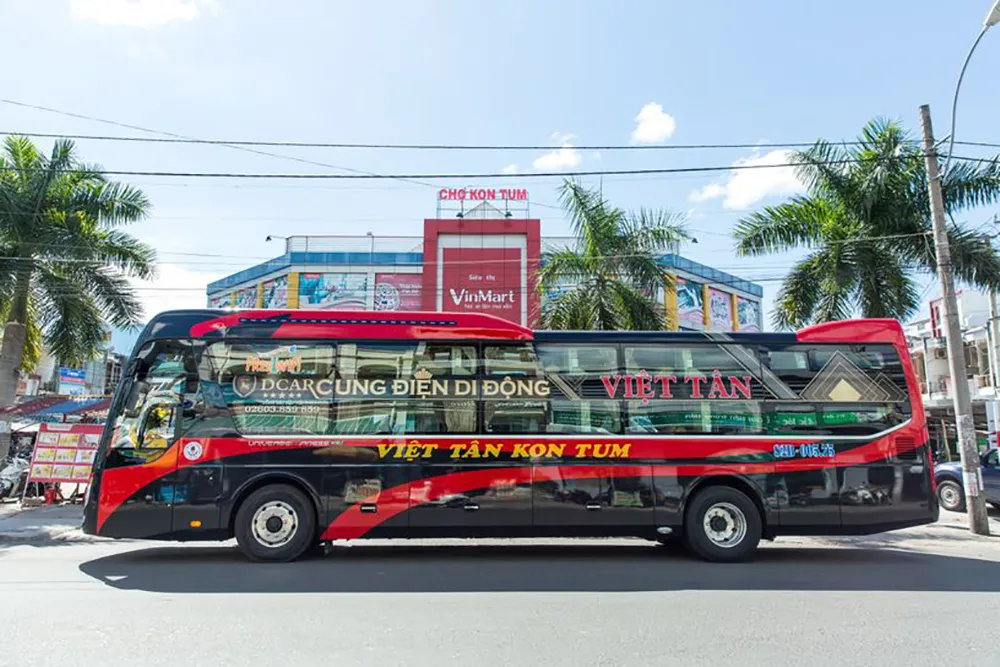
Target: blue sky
{"points": [[554, 72]]}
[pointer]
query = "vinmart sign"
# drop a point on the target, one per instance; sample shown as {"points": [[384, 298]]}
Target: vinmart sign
{"points": [[483, 194], [483, 280]]}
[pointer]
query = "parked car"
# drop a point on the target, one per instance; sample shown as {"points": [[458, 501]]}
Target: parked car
{"points": [[950, 492]]}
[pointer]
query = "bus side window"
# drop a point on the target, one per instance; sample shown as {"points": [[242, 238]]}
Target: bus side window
{"points": [[836, 390], [523, 412], [576, 374]]}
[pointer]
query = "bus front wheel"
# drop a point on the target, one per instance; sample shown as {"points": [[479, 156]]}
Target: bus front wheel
{"points": [[722, 525], [275, 523]]}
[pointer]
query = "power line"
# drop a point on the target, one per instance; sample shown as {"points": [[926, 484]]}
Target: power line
{"points": [[424, 147], [569, 245], [479, 176], [181, 137]]}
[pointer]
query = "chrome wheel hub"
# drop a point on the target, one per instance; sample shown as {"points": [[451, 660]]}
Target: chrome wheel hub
{"points": [[274, 524], [725, 525]]}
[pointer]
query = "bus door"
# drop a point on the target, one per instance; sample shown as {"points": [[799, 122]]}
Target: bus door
{"points": [[583, 479], [442, 498], [611, 496], [475, 485], [138, 482]]}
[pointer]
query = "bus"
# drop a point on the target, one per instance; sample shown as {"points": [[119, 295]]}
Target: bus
{"points": [[291, 429]]}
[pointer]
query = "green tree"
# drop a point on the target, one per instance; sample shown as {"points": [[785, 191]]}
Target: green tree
{"points": [[865, 218], [64, 260], [609, 279]]}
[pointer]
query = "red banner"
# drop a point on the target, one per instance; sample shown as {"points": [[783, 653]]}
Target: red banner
{"points": [[483, 280]]}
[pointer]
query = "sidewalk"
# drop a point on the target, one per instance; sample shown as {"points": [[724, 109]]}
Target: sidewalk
{"points": [[61, 524], [47, 523]]}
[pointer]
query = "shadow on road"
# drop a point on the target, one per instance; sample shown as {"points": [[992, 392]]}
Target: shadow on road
{"points": [[476, 568]]}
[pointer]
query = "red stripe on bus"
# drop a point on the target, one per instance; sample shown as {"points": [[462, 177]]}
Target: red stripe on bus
{"points": [[353, 523], [119, 484]]}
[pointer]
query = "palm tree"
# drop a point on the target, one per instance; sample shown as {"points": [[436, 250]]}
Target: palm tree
{"points": [[64, 261], [866, 220], [609, 280]]}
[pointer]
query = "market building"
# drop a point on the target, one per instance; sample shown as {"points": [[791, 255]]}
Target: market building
{"points": [[480, 253]]}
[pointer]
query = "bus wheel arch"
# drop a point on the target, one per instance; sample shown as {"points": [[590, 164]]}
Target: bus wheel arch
{"points": [[267, 479], [276, 523], [724, 519], [736, 482]]}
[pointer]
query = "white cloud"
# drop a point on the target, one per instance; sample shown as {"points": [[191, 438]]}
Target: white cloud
{"points": [[566, 157], [139, 13], [511, 169], [653, 125], [175, 287], [746, 187]]}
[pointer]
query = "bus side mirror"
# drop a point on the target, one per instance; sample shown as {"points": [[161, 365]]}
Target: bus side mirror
{"points": [[132, 400]]}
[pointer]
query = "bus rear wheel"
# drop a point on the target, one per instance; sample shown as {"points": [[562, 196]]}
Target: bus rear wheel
{"points": [[722, 525], [275, 523]]}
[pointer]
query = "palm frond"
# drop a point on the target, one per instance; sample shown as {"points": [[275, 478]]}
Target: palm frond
{"points": [[971, 184], [571, 310], [885, 288], [110, 203], [564, 266], [800, 222], [823, 170], [973, 258], [73, 323], [639, 311], [798, 298], [112, 293]]}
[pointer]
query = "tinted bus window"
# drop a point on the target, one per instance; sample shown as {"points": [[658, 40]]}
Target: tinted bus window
{"points": [[410, 388], [579, 400], [692, 389], [271, 388], [842, 390], [345, 389]]}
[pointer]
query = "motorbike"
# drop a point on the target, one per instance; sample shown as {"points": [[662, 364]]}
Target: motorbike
{"points": [[13, 477]]}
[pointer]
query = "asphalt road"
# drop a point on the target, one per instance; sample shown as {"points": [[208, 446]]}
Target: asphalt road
{"points": [[593, 603]]}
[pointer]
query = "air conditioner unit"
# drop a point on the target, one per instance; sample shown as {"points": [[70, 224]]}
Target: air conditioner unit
{"points": [[940, 353]]}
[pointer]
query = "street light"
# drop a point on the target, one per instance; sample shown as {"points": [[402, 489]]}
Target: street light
{"points": [[992, 18]]}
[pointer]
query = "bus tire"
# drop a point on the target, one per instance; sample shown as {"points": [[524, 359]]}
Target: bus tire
{"points": [[950, 495], [722, 525], [275, 523]]}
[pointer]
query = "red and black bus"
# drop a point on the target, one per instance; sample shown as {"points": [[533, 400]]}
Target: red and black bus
{"points": [[289, 429]]}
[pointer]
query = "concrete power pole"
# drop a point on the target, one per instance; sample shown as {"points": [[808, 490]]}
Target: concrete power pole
{"points": [[971, 475]]}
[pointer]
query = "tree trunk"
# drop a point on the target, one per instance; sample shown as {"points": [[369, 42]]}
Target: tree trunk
{"points": [[11, 351]]}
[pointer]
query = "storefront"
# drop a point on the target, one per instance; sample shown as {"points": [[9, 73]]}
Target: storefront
{"points": [[480, 253]]}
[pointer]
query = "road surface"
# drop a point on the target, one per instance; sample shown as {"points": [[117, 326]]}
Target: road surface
{"points": [[610, 602]]}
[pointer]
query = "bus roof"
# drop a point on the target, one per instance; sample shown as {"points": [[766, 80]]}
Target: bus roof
{"points": [[332, 324], [284, 324]]}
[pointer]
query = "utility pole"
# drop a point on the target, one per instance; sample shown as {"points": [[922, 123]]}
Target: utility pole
{"points": [[971, 475]]}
